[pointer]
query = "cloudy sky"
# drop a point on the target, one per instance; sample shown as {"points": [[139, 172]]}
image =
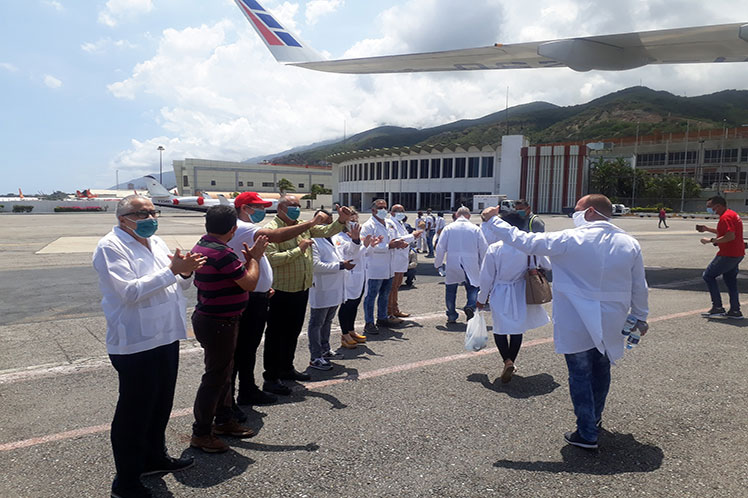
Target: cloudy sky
{"points": [[91, 87]]}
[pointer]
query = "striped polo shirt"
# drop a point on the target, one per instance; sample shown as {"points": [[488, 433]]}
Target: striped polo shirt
{"points": [[217, 292]]}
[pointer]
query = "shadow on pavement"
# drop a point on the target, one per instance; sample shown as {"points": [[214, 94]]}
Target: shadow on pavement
{"points": [[688, 279], [519, 387], [618, 454], [213, 469]]}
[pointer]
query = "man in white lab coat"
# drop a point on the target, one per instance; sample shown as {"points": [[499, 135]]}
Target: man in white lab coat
{"points": [[400, 261], [598, 280], [379, 266], [464, 246]]}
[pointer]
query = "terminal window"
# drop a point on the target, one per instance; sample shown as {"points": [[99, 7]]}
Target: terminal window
{"points": [[436, 167], [268, 184], [212, 182], [250, 184], [414, 168], [486, 167], [473, 167], [395, 169], [185, 181], [301, 185], [240, 183], [424, 168], [447, 171], [460, 167], [386, 170]]}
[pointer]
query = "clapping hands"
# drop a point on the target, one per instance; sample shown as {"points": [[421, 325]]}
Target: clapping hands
{"points": [[187, 263]]}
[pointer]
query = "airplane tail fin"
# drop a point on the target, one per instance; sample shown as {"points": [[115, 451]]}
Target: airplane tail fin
{"points": [[223, 200], [285, 46], [20, 194], [156, 190]]}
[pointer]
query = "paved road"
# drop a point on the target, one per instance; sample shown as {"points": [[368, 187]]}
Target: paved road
{"points": [[409, 414]]}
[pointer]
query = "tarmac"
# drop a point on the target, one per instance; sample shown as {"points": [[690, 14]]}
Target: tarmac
{"points": [[410, 414]]}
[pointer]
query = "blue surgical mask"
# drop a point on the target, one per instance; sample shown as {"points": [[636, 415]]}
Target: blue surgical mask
{"points": [[381, 213], [146, 228], [293, 212], [258, 215], [522, 213], [710, 210], [399, 216]]}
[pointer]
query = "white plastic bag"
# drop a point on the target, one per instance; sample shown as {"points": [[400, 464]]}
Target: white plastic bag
{"points": [[476, 335]]}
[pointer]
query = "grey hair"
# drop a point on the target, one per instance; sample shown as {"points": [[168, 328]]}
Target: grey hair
{"points": [[124, 206], [463, 211]]}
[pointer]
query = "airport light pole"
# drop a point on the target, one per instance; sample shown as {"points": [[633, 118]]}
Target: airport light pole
{"points": [[160, 150]]}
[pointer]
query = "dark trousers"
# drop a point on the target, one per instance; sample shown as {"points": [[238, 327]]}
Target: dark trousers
{"points": [[728, 268], [285, 318], [146, 395], [217, 336], [251, 328], [347, 314], [508, 349]]}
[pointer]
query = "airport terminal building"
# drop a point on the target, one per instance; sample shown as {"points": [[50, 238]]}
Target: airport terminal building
{"points": [[225, 176]]}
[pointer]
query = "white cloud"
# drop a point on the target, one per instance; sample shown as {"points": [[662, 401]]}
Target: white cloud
{"points": [[101, 45], [8, 67], [319, 8], [54, 4], [119, 10], [224, 97], [51, 81]]}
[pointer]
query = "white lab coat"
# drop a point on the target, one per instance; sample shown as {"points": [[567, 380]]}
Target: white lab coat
{"points": [[400, 256], [328, 285], [502, 277], [465, 247], [142, 299], [355, 278], [378, 258], [598, 276]]}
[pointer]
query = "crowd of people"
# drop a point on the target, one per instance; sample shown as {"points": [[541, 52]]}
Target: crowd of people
{"points": [[254, 281]]}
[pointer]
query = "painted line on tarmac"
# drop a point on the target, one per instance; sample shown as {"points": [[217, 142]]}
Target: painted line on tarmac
{"points": [[61, 436]]}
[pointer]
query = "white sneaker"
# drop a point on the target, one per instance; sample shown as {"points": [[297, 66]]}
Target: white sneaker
{"points": [[332, 355], [320, 364]]}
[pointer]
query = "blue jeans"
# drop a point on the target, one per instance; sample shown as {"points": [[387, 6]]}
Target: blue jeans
{"points": [[320, 322], [589, 382], [451, 297], [728, 268], [378, 290], [430, 241]]}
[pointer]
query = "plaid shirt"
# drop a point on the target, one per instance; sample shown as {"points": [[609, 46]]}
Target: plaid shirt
{"points": [[292, 269]]}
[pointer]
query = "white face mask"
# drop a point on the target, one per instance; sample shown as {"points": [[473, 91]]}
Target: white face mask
{"points": [[578, 218], [399, 216], [381, 213]]}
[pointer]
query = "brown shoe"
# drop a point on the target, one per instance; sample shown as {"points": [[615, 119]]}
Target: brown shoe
{"points": [[393, 320], [208, 443], [358, 338], [400, 314], [506, 375], [233, 428], [348, 342]]}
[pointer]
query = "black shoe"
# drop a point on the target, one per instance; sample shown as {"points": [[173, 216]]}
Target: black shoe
{"points": [[168, 464], [136, 490], [574, 439], [275, 387], [388, 323], [734, 314], [371, 329], [238, 413], [256, 397], [715, 311], [294, 375], [469, 312]]}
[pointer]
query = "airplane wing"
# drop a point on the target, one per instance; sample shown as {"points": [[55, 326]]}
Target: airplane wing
{"points": [[702, 44]]}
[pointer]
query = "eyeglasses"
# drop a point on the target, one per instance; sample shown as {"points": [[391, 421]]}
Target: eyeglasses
{"points": [[145, 213]]}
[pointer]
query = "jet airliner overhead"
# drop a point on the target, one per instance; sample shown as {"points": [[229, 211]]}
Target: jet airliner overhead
{"points": [[616, 52]]}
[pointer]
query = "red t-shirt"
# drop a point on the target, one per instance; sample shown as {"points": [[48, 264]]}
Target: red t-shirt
{"points": [[731, 222]]}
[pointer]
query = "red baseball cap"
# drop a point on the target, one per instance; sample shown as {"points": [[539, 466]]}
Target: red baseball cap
{"points": [[250, 198]]}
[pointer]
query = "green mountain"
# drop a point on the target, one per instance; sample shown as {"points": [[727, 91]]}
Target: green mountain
{"points": [[611, 116]]}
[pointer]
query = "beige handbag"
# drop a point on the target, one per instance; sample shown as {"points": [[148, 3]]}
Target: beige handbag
{"points": [[537, 288]]}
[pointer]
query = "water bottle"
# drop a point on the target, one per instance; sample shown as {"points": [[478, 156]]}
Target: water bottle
{"points": [[629, 326], [441, 271], [633, 339]]}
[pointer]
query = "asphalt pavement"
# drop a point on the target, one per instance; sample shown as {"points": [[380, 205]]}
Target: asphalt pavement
{"points": [[409, 414]]}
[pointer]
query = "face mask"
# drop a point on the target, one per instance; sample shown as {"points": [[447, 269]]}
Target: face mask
{"points": [[146, 228], [258, 215], [522, 214], [399, 216], [710, 210], [350, 226], [293, 212], [381, 213], [578, 218]]}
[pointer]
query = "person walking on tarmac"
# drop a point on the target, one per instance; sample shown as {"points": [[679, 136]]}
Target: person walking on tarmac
{"points": [[663, 218]]}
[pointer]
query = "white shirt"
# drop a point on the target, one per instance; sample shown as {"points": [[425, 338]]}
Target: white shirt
{"points": [[598, 276], [328, 286], [142, 299], [429, 219], [502, 277], [400, 256], [245, 232], [440, 224], [378, 258], [465, 247], [354, 279]]}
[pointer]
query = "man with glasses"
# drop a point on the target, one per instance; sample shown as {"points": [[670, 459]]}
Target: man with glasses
{"points": [[292, 277], [142, 283], [250, 210]]}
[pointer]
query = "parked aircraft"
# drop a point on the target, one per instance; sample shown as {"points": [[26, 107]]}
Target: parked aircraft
{"points": [[86, 194], [617, 52], [160, 196]]}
